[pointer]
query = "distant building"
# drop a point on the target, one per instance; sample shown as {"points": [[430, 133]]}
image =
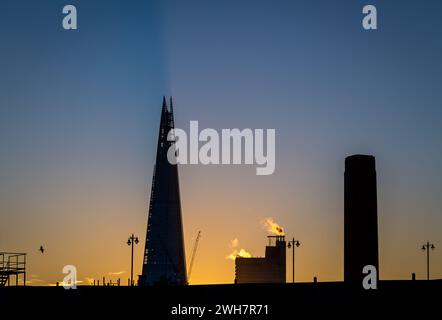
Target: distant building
{"points": [[270, 269], [360, 217], [164, 259]]}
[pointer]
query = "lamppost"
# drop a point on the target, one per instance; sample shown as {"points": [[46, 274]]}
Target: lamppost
{"points": [[130, 242], [427, 247], [292, 244]]}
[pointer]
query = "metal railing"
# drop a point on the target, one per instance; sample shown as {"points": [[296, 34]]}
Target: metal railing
{"points": [[12, 264]]}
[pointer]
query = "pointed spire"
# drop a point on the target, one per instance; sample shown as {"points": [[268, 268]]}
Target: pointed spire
{"points": [[164, 104], [171, 105]]}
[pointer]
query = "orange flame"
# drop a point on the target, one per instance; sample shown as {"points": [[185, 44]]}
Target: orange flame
{"points": [[272, 227], [241, 253]]}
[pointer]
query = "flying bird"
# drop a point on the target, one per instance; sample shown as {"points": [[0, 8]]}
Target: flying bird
{"points": [[42, 250]]}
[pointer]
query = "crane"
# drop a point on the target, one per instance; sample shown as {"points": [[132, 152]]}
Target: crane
{"points": [[192, 258]]}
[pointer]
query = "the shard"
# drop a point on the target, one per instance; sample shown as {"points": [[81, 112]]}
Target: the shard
{"points": [[164, 258]]}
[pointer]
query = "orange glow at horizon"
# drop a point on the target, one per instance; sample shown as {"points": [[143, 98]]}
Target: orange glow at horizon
{"points": [[86, 223]]}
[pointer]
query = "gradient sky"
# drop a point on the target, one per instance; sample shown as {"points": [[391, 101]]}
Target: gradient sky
{"points": [[79, 117]]}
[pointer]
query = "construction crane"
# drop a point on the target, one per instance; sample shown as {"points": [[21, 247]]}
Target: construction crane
{"points": [[192, 258]]}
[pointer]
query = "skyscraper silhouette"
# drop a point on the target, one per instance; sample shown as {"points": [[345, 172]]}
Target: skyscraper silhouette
{"points": [[164, 258], [360, 217]]}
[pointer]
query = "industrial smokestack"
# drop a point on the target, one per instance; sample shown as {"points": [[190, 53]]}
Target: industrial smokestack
{"points": [[360, 217]]}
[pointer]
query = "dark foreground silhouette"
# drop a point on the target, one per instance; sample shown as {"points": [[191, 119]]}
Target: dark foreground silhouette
{"points": [[283, 300]]}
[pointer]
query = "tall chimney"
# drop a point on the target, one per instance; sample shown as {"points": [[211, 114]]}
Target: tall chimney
{"points": [[360, 218]]}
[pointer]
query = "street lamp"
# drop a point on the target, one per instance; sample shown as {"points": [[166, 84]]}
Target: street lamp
{"points": [[427, 247], [130, 242], [292, 244]]}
